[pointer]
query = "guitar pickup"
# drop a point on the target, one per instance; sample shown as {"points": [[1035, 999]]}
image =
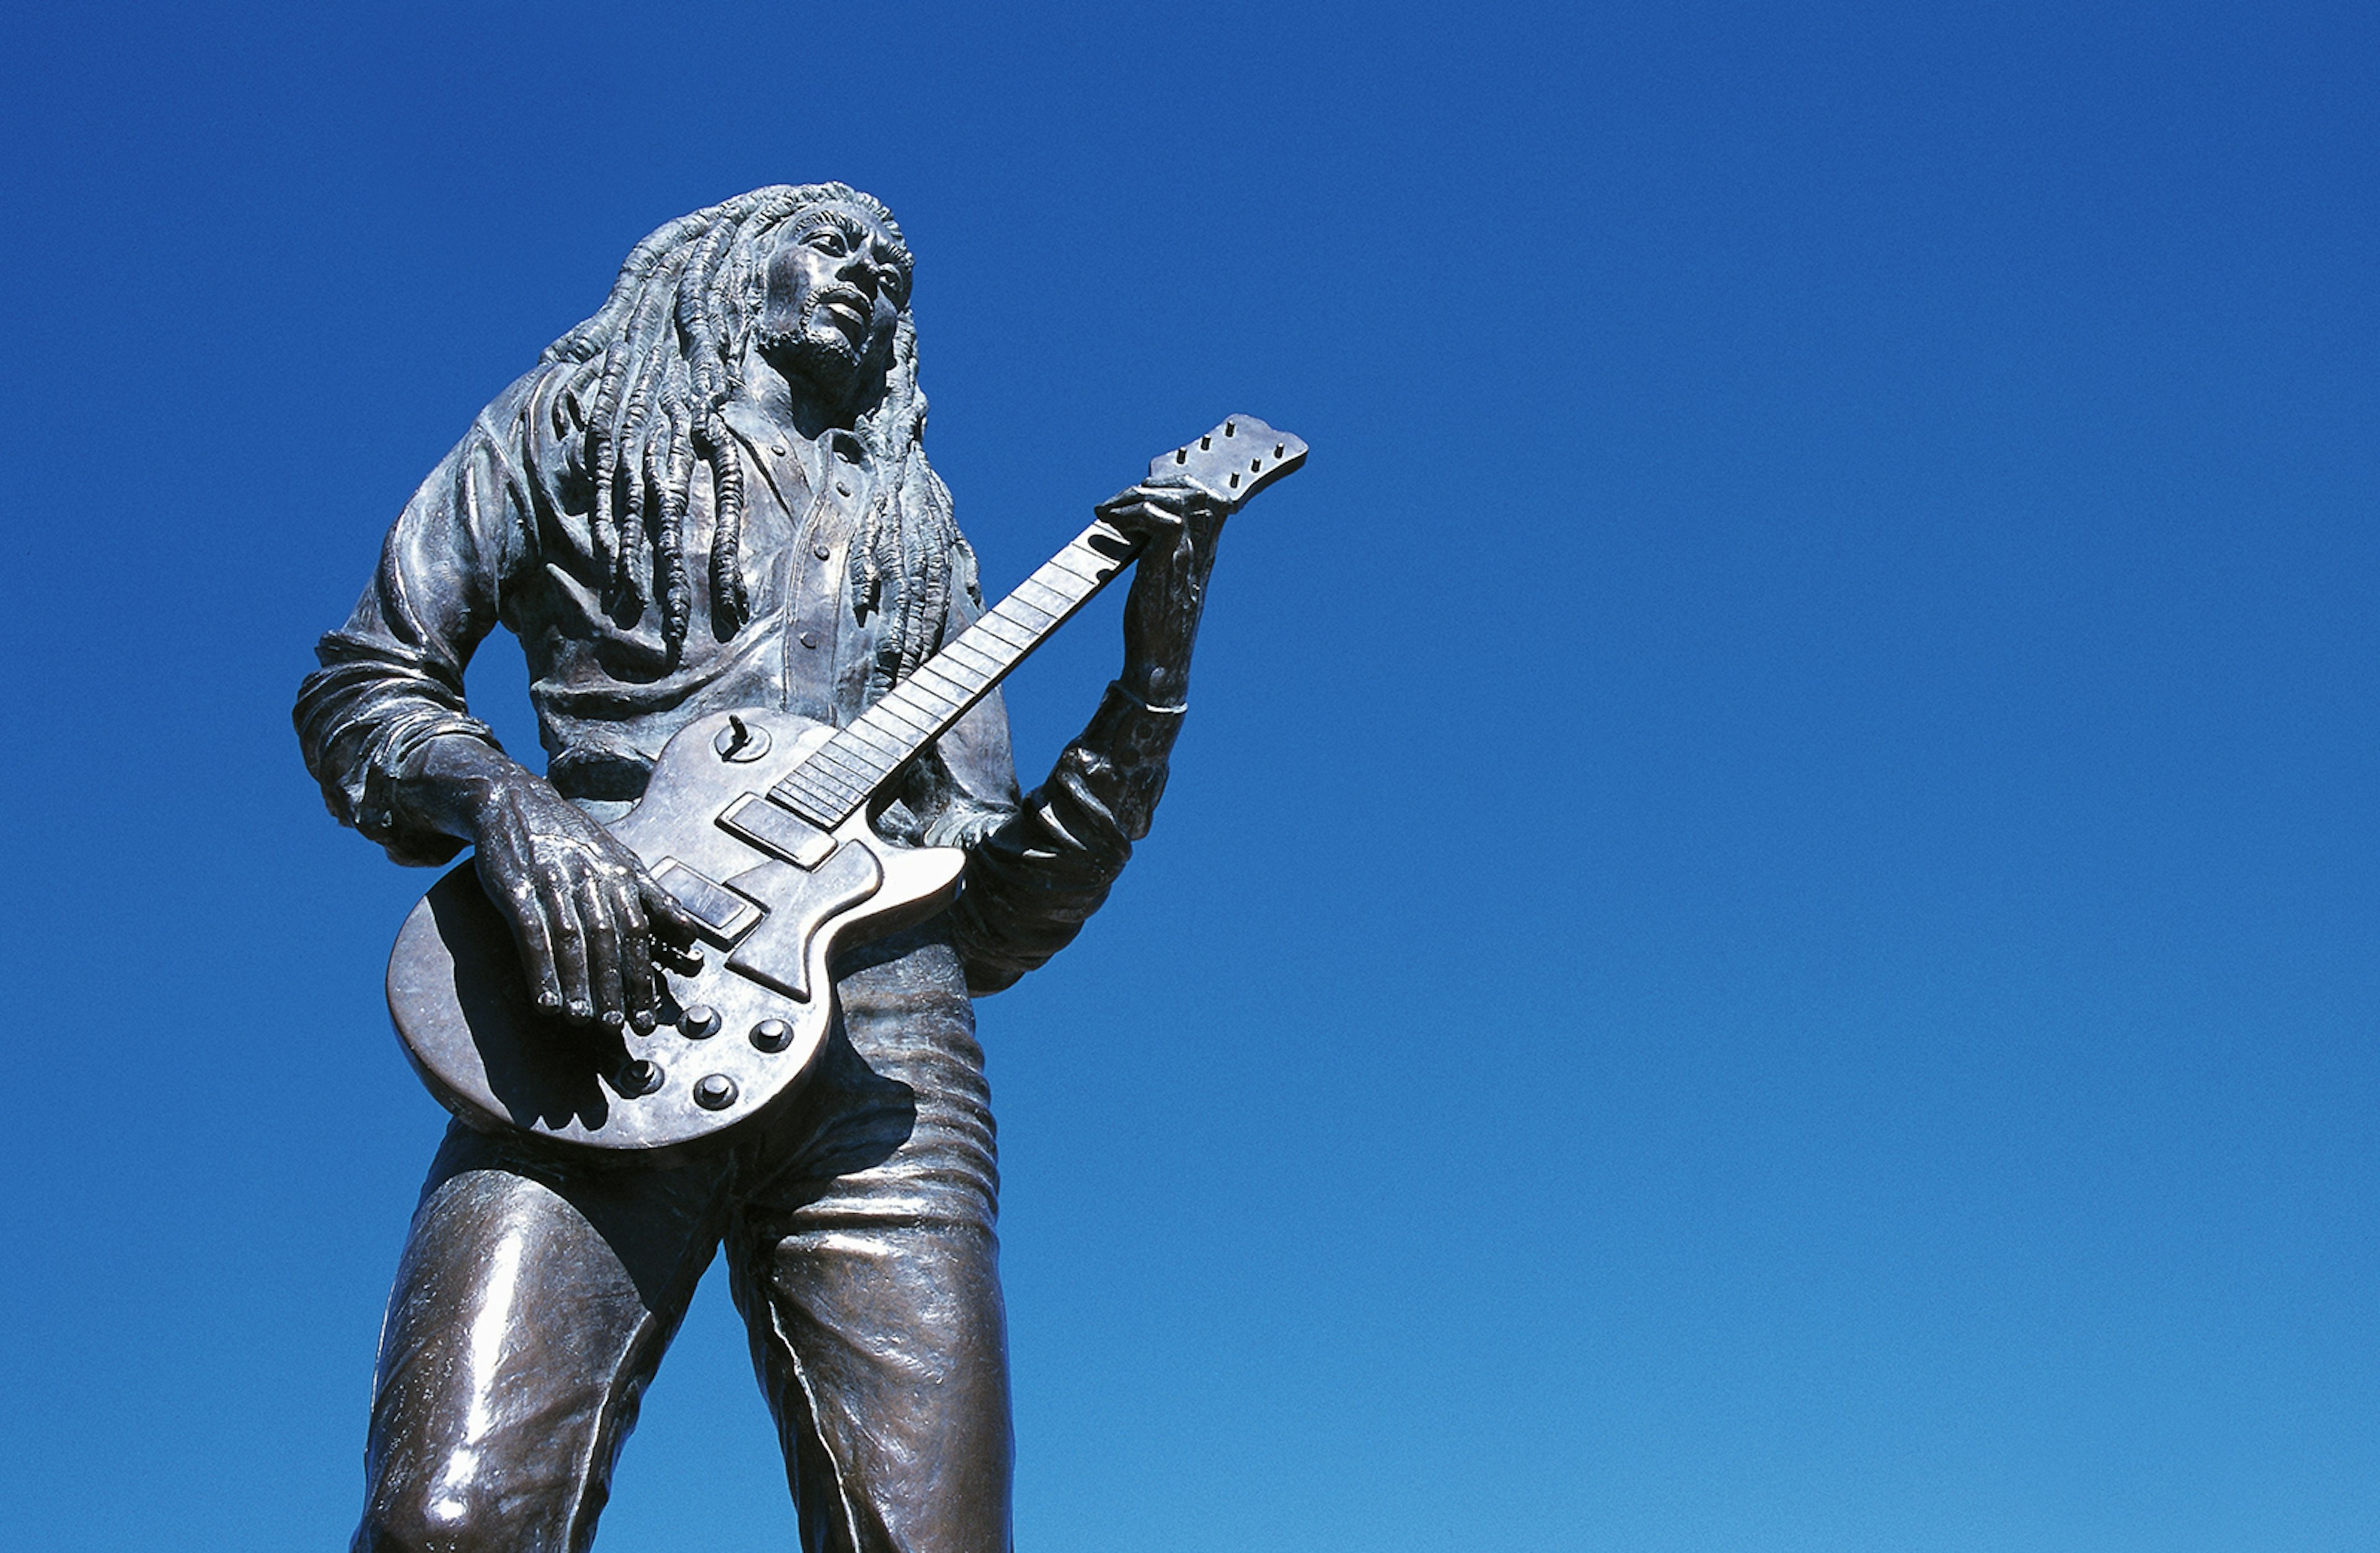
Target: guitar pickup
{"points": [[724, 915], [777, 830]]}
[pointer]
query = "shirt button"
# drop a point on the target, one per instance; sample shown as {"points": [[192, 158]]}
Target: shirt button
{"points": [[823, 549], [842, 488], [777, 448], [809, 638]]}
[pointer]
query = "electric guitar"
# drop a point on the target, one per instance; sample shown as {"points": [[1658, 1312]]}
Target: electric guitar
{"points": [[759, 821]]}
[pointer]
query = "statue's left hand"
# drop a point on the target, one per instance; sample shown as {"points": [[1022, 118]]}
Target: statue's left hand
{"points": [[1178, 527]]}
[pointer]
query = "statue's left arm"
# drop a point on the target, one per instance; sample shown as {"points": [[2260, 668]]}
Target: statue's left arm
{"points": [[385, 731], [1037, 868], [389, 685]]}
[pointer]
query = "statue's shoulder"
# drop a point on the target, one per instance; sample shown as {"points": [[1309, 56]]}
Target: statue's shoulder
{"points": [[536, 408], [530, 431]]}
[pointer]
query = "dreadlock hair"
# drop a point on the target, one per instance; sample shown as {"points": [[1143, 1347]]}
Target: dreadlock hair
{"points": [[646, 379]]}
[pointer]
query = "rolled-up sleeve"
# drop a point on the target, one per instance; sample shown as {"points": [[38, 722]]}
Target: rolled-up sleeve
{"points": [[1032, 881], [392, 677]]}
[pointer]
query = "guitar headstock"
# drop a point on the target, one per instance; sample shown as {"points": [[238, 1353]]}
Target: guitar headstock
{"points": [[1232, 462]]}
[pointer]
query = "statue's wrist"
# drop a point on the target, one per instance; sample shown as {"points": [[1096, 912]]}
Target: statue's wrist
{"points": [[1158, 687], [456, 784]]}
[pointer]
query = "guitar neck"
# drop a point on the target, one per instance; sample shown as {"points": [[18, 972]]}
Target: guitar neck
{"points": [[840, 777]]}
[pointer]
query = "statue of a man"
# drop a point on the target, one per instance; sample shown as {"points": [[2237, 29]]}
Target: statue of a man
{"points": [[713, 494]]}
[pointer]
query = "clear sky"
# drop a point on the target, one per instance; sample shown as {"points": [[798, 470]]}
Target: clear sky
{"points": [[1766, 935]]}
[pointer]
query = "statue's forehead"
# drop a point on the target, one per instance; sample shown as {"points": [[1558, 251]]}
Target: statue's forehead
{"points": [[861, 224]]}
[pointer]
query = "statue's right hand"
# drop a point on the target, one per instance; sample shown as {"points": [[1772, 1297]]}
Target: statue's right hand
{"points": [[589, 919]]}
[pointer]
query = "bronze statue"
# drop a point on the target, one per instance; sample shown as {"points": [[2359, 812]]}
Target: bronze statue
{"points": [[708, 515]]}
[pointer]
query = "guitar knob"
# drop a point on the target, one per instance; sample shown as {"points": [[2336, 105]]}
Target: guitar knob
{"points": [[698, 1023], [639, 1077], [772, 1034], [714, 1092]]}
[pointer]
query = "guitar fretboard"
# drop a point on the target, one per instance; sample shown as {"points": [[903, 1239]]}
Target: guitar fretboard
{"points": [[838, 778]]}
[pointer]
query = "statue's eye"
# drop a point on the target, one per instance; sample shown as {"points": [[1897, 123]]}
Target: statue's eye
{"points": [[826, 239]]}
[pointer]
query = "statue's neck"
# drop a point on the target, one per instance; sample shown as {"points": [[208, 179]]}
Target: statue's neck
{"points": [[794, 404]]}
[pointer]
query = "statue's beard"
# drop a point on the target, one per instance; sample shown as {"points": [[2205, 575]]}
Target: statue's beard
{"points": [[817, 353]]}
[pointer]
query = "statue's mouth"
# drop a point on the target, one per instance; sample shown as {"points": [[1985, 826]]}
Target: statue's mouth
{"points": [[845, 307]]}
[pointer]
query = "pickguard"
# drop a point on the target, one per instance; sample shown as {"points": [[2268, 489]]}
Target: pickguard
{"points": [[777, 952]]}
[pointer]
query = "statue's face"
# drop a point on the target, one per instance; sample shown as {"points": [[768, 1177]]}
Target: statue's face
{"points": [[836, 284]]}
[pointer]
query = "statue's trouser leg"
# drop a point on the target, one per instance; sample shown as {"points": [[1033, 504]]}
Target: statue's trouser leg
{"points": [[537, 1292], [532, 1305], [868, 1272]]}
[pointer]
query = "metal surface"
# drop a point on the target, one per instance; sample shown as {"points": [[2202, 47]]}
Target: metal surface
{"points": [[717, 535]]}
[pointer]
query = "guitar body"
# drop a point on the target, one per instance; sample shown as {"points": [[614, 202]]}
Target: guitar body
{"points": [[780, 897]]}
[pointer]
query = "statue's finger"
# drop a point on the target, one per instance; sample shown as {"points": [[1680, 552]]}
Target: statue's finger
{"points": [[569, 941], [536, 946], [637, 989], [664, 914], [595, 918], [1147, 520]]}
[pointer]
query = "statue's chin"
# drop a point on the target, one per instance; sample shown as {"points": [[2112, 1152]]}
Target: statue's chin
{"points": [[821, 359]]}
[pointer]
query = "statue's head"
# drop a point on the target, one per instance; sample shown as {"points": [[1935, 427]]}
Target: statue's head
{"points": [[835, 283], [813, 279]]}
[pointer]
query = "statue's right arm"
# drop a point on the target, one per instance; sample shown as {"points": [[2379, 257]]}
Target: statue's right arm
{"points": [[385, 731]]}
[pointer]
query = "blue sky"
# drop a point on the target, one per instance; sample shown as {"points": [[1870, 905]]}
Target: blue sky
{"points": [[1766, 935]]}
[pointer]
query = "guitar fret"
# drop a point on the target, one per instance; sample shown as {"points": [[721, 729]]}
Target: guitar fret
{"points": [[986, 623], [824, 773], [926, 699], [818, 807], [792, 790], [886, 733], [888, 712], [852, 755], [861, 734], [915, 699], [819, 785], [875, 748], [1000, 629], [823, 813], [943, 669], [1056, 612], [1082, 560], [1018, 609], [830, 763], [961, 687], [965, 648], [855, 772]]}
